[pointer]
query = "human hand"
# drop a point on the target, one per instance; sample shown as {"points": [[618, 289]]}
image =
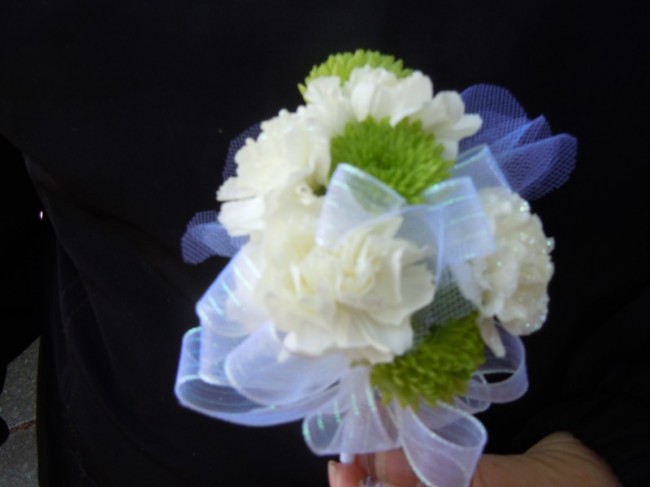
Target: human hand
{"points": [[556, 461]]}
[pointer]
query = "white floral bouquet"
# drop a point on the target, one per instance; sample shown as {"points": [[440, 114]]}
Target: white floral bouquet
{"points": [[384, 263]]}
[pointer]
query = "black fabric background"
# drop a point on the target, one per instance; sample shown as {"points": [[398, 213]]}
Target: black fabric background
{"points": [[124, 111]]}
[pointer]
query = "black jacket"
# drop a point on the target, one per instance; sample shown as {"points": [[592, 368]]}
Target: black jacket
{"points": [[123, 111]]}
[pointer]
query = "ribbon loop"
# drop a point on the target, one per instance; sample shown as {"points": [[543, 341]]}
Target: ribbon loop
{"points": [[227, 403], [466, 230], [228, 307], [442, 444], [353, 422], [263, 370], [513, 365], [353, 197]]}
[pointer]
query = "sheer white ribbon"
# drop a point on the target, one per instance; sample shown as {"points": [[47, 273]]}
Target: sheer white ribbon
{"points": [[236, 368]]}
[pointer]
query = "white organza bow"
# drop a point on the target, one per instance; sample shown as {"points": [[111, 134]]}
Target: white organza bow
{"points": [[235, 367]]}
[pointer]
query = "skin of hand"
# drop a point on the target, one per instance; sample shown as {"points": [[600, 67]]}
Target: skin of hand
{"points": [[559, 460]]}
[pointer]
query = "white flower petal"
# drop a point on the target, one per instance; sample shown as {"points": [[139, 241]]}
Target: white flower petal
{"points": [[396, 339], [242, 218], [380, 94], [327, 104], [491, 337], [444, 116]]}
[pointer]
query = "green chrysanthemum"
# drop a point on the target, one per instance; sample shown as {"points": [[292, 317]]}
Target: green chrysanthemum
{"points": [[439, 368], [342, 64], [403, 157]]}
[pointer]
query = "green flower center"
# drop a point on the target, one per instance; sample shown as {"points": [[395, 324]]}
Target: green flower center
{"points": [[438, 368], [403, 157], [343, 64]]}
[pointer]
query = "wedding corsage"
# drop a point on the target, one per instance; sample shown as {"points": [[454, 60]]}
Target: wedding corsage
{"points": [[385, 261]]}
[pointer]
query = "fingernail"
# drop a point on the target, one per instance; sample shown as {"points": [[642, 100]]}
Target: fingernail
{"points": [[369, 482], [332, 473]]}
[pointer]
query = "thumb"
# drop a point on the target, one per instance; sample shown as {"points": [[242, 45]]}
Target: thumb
{"points": [[559, 460], [344, 474]]}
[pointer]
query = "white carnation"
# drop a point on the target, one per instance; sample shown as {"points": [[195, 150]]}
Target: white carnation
{"points": [[511, 283], [357, 297], [291, 152], [380, 94]]}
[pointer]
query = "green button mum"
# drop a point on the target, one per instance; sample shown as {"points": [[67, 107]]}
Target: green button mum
{"points": [[402, 157], [438, 368]]}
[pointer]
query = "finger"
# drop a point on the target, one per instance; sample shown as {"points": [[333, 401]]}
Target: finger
{"points": [[390, 467], [558, 460], [503, 471], [344, 474]]}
